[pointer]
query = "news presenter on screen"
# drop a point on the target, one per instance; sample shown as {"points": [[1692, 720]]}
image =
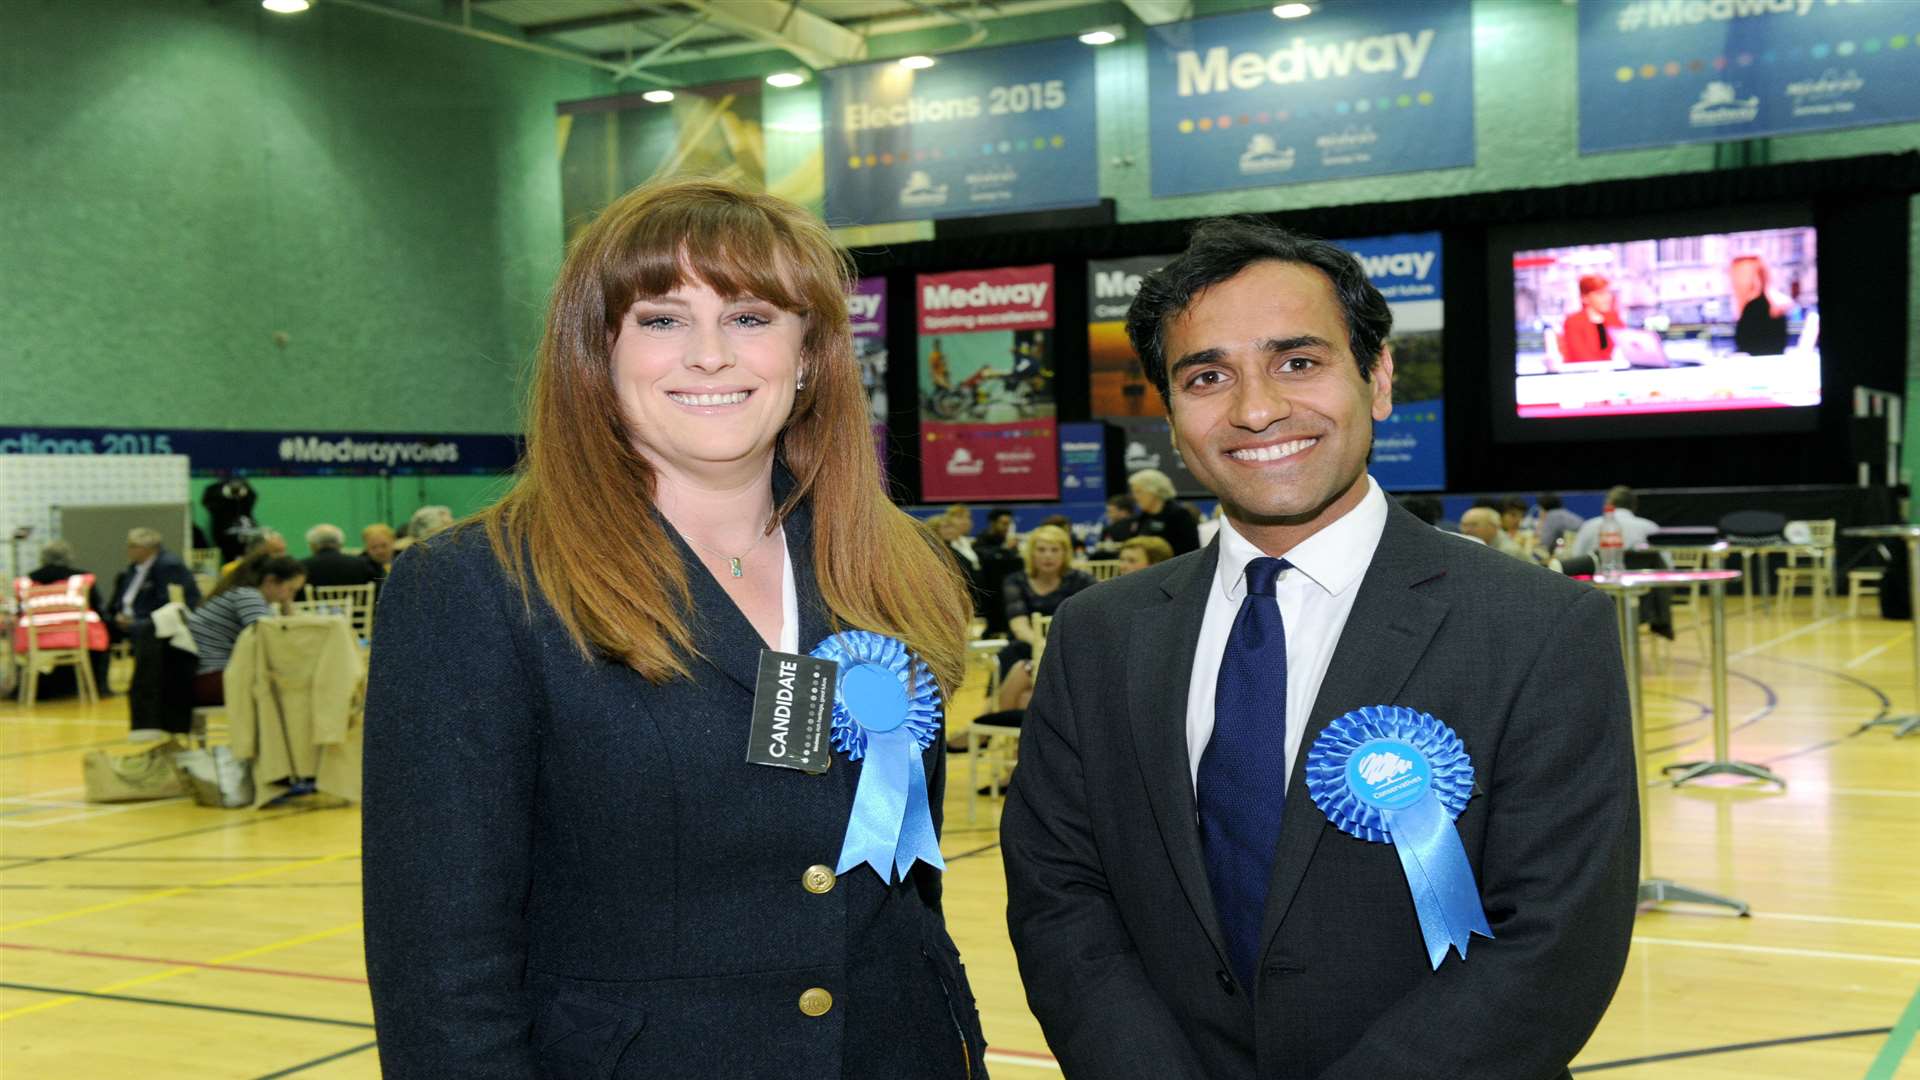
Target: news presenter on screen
{"points": [[1584, 337], [571, 869]]}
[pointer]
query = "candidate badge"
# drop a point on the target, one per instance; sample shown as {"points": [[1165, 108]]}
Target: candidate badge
{"points": [[1391, 775]]}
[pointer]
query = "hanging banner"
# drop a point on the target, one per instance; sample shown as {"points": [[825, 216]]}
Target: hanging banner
{"points": [[1659, 72], [1083, 462], [993, 131], [867, 310], [1361, 88], [986, 385], [1409, 449], [281, 453], [610, 145]]}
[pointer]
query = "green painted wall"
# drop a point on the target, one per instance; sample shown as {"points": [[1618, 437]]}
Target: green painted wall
{"points": [[185, 181]]}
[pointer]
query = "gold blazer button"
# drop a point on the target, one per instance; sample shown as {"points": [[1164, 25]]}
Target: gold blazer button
{"points": [[818, 879], [815, 1002]]}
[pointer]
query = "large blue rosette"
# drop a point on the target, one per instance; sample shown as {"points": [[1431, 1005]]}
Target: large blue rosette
{"points": [[886, 710], [1391, 775]]}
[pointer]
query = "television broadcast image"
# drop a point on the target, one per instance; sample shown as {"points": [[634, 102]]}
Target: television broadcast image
{"points": [[1713, 322]]}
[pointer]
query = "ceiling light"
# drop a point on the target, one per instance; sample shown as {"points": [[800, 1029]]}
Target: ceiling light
{"points": [[786, 80], [916, 63], [285, 7], [1292, 11], [1102, 36], [658, 97]]}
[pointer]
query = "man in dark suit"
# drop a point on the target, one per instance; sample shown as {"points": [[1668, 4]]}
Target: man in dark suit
{"points": [[329, 565], [1180, 905], [141, 589]]}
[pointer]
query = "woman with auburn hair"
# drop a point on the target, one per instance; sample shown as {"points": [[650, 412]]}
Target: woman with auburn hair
{"points": [[605, 833]]}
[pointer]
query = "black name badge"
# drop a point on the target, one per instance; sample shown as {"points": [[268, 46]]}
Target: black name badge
{"points": [[792, 712]]}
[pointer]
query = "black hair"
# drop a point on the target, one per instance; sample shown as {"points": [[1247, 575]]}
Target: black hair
{"points": [[1513, 502], [1122, 502], [1487, 501], [998, 512], [1425, 507], [1623, 498], [1547, 500], [256, 568], [1220, 249]]}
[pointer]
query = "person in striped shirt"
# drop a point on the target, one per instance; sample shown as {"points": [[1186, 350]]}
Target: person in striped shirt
{"points": [[262, 585]]}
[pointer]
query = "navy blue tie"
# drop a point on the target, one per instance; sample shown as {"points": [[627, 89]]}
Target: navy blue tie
{"points": [[1242, 782]]}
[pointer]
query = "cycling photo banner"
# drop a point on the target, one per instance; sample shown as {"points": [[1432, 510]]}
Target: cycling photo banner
{"points": [[986, 384]]}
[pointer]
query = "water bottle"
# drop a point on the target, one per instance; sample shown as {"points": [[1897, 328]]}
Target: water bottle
{"points": [[1612, 555]]}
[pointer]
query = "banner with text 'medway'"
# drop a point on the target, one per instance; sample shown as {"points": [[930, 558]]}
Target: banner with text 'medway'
{"points": [[986, 384], [867, 312], [1360, 88], [1659, 72]]}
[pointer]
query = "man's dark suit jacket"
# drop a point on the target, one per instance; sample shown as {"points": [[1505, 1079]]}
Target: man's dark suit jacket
{"points": [[167, 569], [1107, 894], [574, 874], [335, 567]]}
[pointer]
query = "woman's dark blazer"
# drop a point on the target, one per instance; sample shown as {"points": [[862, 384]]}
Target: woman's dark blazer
{"points": [[571, 872]]}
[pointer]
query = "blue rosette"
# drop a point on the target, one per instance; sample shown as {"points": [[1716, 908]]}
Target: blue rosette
{"points": [[886, 711], [1392, 775]]}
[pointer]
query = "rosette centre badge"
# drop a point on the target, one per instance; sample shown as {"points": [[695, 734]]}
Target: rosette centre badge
{"points": [[1391, 775], [886, 712]]}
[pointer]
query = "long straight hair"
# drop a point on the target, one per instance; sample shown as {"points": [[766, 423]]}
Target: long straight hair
{"points": [[580, 524]]}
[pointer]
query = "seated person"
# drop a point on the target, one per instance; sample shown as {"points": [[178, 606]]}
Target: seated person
{"points": [[1482, 523], [1160, 515], [1038, 589], [1119, 527], [1141, 552], [329, 565], [1634, 529], [141, 589], [267, 540], [56, 566], [376, 547], [1065, 525], [261, 584]]}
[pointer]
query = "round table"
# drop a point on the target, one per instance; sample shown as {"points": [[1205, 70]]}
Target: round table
{"points": [[1907, 724], [1627, 588]]}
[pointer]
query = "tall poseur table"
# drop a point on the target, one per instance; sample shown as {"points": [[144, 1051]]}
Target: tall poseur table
{"points": [[1722, 763], [1901, 725], [1627, 589]]}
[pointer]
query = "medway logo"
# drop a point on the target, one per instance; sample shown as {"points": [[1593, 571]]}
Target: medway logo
{"points": [[1032, 294], [1301, 62], [964, 464], [1719, 105], [1263, 155], [1400, 264], [922, 191]]}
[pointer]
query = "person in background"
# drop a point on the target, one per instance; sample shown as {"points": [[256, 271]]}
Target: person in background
{"points": [[328, 565], [1160, 515], [56, 565], [376, 547], [1142, 552], [427, 521], [1555, 522], [141, 589], [262, 585], [1483, 524], [1634, 529], [1584, 337], [1427, 508], [999, 557], [1039, 588], [1120, 525], [1762, 326], [1065, 524], [1513, 511], [263, 539]]}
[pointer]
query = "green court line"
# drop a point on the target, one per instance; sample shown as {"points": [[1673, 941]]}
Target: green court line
{"points": [[1897, 1042]]}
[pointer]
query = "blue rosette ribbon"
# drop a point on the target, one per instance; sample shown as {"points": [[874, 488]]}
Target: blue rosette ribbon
{"points": [[886, 711], [1391, 775]]}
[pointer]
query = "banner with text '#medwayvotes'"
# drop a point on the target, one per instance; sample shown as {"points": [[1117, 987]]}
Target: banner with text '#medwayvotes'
{"points": [[1361, 88], [1658, 72], [993, 131], [986, 384]]}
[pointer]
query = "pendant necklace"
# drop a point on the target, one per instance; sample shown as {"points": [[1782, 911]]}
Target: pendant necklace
{"points": [[735, 562]]}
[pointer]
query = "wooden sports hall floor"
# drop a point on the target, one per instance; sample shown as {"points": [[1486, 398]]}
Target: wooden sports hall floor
{"points": [[162, 940]]}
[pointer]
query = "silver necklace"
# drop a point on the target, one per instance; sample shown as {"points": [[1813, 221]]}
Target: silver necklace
{"points": [[735, 562]]}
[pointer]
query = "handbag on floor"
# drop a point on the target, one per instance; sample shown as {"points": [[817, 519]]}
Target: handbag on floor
{"points": [[149, 774], [216, 778]]}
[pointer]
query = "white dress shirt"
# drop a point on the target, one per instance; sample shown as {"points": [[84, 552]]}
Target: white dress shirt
{"points": [[1315, 598], [1635, 531], [140, 573], [789, 600]]}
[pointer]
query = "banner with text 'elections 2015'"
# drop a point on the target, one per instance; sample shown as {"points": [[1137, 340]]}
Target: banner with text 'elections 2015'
{"points": [[986, 384], [1657, 72], [1356, 89], [990, 132], [1409, 447]]}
